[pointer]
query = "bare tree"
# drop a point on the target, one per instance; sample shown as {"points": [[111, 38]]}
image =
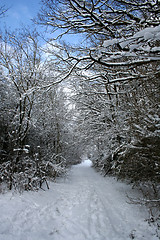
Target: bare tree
{"points": [[122, 35], [120, 52], [20, 57], [3, 10]]}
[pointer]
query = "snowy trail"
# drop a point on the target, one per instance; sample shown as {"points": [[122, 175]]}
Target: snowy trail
{"points": [[85, 206]]}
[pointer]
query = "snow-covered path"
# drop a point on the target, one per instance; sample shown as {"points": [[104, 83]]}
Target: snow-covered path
{"points": [[85, 206]]}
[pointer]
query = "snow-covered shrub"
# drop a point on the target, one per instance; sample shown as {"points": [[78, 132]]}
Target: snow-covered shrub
{"points": [[103, 164], [151, 199], [139, 161], [29, 173], [151, 194]]}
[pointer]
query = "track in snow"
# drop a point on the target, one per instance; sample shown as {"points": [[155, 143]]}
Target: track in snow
{"points": [[85, 206]]}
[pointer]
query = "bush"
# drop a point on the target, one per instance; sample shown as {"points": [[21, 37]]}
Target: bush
{"points": [[139, 161], [29, 174]]}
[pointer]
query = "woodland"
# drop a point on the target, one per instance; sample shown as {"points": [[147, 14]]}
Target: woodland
{"points": [[61, 100]]}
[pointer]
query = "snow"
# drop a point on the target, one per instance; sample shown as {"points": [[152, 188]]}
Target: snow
{"points": [[83, 206], [111, 42], [149, 33], [146, 35], [85, 163], [156, 49]]}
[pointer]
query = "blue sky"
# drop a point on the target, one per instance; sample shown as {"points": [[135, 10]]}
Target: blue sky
{"points": [[20, 12]]}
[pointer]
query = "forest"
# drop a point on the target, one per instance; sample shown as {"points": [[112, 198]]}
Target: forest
{"points": [[97, 97]]}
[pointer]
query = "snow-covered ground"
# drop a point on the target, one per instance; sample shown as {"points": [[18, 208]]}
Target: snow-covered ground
{"points": [[84, 206]]}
